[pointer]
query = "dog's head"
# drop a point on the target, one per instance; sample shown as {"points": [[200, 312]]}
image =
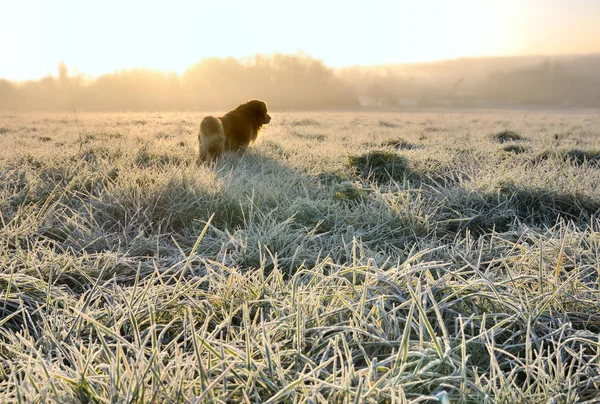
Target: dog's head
{"points": [[257, 109]]}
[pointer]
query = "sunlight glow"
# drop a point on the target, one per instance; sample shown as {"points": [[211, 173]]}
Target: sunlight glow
{"points": [[100, 37]]}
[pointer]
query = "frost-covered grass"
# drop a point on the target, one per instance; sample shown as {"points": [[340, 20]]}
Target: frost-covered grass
{"points": [[348, 257]]}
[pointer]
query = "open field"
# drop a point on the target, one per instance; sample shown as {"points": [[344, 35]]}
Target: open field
{"points": [[351, 257]]}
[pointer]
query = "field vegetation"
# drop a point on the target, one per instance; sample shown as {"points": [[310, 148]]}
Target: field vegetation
{"points": [[349, 257]]}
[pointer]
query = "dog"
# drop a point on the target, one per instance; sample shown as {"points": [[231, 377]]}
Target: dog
{"points": [[235, 131]]}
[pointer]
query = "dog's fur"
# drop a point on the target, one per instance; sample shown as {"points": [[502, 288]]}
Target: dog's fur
{"points": [[235, 130]]}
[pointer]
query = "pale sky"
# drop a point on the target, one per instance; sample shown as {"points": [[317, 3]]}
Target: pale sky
{"points": [[102, 36]]}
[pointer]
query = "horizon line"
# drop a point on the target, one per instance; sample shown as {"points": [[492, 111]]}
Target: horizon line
{"points": [[303, 54]]}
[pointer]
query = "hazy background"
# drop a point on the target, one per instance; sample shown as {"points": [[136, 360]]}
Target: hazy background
{"points": [[211, 55]]}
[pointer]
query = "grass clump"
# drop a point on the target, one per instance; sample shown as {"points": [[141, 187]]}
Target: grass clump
{"points": [[329, 179], [305, 122], [506, 136], [399, 144], [387, 124], [311, 213], [146, 157], [514, 148], [348, 191], [580, 157], [381, 166], [574, 156], [505, 208], [309, 136]]}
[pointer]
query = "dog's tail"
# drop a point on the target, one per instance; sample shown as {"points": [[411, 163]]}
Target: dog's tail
{"points": [[211, 138]]}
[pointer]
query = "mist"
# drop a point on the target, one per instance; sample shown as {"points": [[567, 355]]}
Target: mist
{"points": [[300, 82], [480, 82]]}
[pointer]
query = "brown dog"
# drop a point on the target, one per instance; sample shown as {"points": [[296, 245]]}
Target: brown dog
{"points": [[235, 130]]}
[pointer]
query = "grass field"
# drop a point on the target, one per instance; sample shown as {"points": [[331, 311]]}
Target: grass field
{"points": [[349, 257]]}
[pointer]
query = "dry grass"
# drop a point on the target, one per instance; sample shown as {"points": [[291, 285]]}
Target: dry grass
{"points": [[332, 263]]}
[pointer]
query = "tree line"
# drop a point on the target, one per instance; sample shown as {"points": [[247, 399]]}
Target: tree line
{"points": [[285, 81], [301, 82]]}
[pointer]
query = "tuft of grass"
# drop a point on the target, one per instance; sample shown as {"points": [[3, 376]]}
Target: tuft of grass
{"points": [[574, 156], [514, 148], [506, 136], [399, 144], [579, 156], [305, 122], [504, 209], [348, 191], [381, 166], [432, 129], [163, 135], [387, 124], [309, 136], [311, 213], [148, 158]]}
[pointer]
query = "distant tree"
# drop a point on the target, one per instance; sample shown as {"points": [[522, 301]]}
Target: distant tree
{"points": [[8, 95], [63, 74]]}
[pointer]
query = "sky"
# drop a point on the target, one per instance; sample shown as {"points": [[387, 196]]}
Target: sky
{"points": [[97, 37]]}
